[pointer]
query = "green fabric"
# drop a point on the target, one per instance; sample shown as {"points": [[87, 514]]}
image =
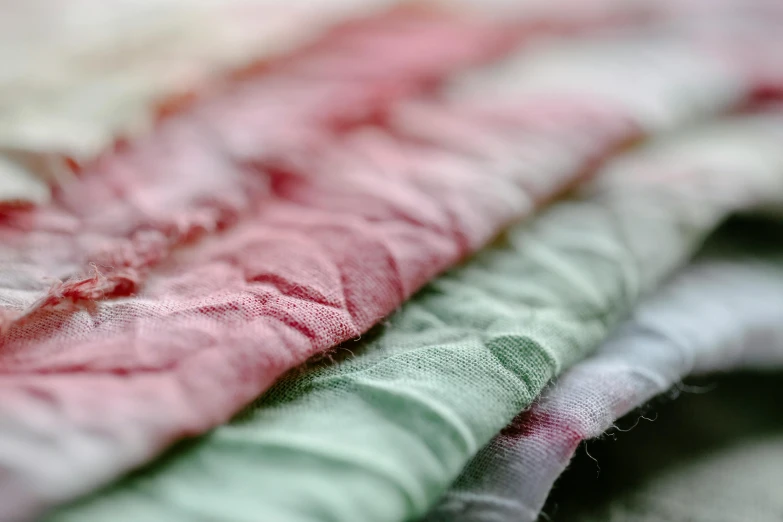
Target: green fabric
{"points": [[380, 435]]}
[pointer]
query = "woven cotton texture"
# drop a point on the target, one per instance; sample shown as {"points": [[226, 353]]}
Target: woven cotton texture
{"points": [[723, 313], [381, 435], [318, 235], [376, 184]]}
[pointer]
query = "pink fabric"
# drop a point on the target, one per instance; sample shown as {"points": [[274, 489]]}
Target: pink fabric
{"points": [[319, 202], [186, 271], [193, 176]]}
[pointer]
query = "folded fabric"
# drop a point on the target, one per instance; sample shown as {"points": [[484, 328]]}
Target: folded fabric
{"points": [[222, 159], [74, 75], [77, 75], [723, 313], [328, 241], [710, 456], [381, 435]]}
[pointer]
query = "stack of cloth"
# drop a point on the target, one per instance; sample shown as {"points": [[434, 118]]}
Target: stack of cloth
{"points": [[362, 261]]}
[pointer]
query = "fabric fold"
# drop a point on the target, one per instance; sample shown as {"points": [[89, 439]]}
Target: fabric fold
{"points": [[225, 250], [382, 434], [723, 313]]}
